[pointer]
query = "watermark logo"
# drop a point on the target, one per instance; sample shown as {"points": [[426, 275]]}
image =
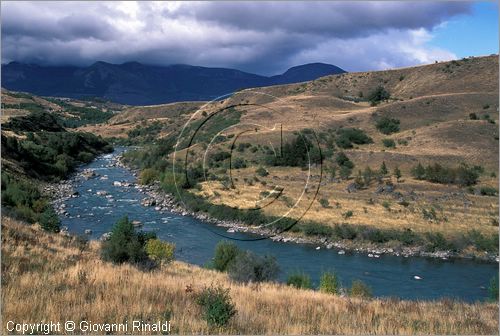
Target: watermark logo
{"points": [[249, 153]]}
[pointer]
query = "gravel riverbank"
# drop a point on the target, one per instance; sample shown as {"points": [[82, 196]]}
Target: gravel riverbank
{"points": [[161, 201]]}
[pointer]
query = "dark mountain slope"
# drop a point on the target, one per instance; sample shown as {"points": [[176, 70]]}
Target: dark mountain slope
{"points": [[138, 84]]}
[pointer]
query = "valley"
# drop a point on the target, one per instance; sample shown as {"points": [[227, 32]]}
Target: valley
{"points": [[388, 180]]}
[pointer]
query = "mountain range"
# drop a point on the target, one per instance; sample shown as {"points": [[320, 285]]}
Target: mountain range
{"points": [[134, 83]]}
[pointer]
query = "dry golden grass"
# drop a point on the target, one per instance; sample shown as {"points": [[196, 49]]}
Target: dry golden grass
{"points": [[48, 277], [455, 213]]}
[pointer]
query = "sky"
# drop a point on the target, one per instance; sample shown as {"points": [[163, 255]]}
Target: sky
{"points": [[260, 37]]}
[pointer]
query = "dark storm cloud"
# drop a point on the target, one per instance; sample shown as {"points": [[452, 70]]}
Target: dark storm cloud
{"points": [[262, 37], [341, 19]]}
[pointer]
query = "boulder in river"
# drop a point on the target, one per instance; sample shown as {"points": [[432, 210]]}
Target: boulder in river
{"points": [[136, 223]]}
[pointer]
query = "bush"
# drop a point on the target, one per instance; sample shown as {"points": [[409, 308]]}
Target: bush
{"points": [[239, 163], [298, 153], [493, 289], [389, 143], [462, 175], [124, 244], [249, 267], [217, 305], [360, 289], [378, 95], [225, 252], [148, 176], [345, 231], [347, 136], [261, 171], [299, 280], [473, 116], [316, 229], [388, 125], [437, 242], [49, 220], [324, 202], [488, 191], [329, 283], [160, 251]]}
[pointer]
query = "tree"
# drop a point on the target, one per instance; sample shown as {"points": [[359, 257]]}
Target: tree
{"points": [[397, 173], [49, 220], [383, 169], [329, 283], [160, 251], [124, 244], [225, 252], [418, 171], [378, 95], [249, 267], [368, 176]]}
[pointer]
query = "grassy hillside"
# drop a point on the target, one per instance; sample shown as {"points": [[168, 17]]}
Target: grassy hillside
{"points": [[442, 114], [72, 283]]}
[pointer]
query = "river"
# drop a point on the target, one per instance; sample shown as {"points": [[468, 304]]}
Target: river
{"points": [[195, 243]]}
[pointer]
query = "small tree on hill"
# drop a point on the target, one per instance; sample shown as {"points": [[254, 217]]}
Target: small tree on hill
{"points": [[383, 169], [329, 283], [124, 244], [397, 173]]}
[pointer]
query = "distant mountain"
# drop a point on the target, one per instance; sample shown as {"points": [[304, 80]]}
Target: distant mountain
{"points": [[139, 84]]}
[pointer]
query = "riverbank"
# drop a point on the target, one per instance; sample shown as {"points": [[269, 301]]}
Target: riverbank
{"points": [[163, 201], [157, 199]]}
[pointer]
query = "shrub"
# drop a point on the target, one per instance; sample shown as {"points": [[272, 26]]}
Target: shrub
{"points": [[488, 191], [383, 169], [124, 244], [378, 95], [49, 220], [493, 289], [473, 116], [436, 241], [225, 252], [148, 176], [298, 153], [397, 173], [343, 161], [360, 289], [347, 214], [344, 231], [249, 267], [299, 280], [160, 251], [389, 143], [329, 283], [324, 202], [316, 229], [347, 136], [388, 125], [261, 171], [239, 163], [463, 175], [217, 305]]}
